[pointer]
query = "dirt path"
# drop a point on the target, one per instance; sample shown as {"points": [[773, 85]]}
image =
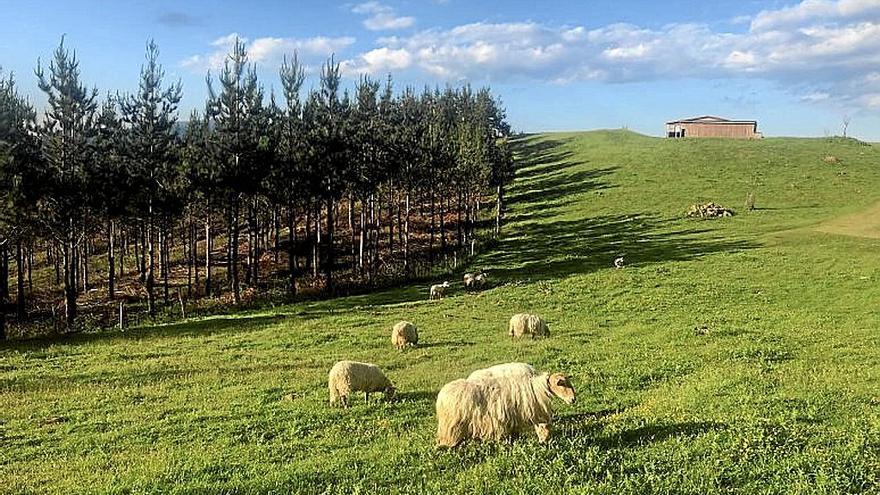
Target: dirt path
{"points": [[865, 223]]}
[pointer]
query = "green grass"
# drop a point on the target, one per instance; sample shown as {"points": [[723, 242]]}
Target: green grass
{"points": [[780, 393]]}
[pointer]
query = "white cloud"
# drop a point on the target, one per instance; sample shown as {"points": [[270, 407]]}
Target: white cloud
{"points": [[815, 10], [382, 17], [817, 47], [267, 50], [815, 96]]}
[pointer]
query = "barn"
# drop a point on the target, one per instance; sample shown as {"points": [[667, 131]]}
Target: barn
{"points": [[709, 126]]}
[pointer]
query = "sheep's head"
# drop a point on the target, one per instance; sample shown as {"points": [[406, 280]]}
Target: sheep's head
{"points": [[446, 283], [560, 386], [390, 391]]}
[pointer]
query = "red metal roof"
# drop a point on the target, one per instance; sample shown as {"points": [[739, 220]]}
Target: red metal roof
{"points": [[711, 119]]}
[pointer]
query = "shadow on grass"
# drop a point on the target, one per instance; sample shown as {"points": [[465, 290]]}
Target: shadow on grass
{"points": [[197, 328], [537, 248], [416, 396], [647, 434], [450, 344], [578, 425]]}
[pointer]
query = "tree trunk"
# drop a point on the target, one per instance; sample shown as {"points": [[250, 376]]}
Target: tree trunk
{"points": [[433, 228], [151, 266], [255, 241], [87, 252], [20, 306], [30, 267], [4, 287], [328, 269], [208, 247], [291, 251], [56, 261], [276, 231], [458, 224], [391, 220], [316, 241], [499, 208], [111, 261], [143, 260], [442, 225], [406, 262], [166, 264], [123, 252], [70, 279], [363, 232], [236, 285]]}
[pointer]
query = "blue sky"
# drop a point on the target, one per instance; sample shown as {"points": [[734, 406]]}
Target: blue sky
{"points": [[797, 67]]}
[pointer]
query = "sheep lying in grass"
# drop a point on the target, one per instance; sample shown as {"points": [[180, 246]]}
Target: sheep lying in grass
{"points": [[497, 408], [351, 376], [438, 291], [618, 262], [404, 334], [506, 370], [522, 324], [475, 281]]}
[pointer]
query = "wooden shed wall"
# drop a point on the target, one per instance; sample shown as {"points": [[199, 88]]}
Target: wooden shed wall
{"points": [[702, 129]]}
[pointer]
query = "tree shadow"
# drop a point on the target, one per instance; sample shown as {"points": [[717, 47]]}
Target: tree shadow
{"points": [[193, 328], [546, 249]]}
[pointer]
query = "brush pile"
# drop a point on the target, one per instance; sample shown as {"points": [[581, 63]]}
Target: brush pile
{"points": [[709, 210]]}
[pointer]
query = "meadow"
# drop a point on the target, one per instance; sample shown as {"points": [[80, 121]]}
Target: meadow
{"points": [[735, 355]]}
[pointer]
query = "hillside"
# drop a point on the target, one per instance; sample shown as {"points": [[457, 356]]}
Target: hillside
{"points": [[731, 355]]}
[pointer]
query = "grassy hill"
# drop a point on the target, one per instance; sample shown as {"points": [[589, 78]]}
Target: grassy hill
{"points": [[733, 355]]}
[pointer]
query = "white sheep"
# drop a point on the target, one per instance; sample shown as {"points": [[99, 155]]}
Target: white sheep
{"points": [[475, 280], [618, 262], [351, 376], [438, 291], [497, 408], [404, 334], [506, 370], [527, 324]]}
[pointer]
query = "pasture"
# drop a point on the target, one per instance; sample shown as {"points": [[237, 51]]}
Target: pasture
{"points": [[737, 355]]}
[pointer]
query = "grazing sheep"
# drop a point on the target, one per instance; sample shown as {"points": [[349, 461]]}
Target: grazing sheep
{"points": [[351, 376], [618, 262], [404, 334], [527, 324], [497, 408], [506, 370], [475, 280], [438, 291]]}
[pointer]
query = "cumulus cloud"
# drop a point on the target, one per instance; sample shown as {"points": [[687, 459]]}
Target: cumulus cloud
{"points": [[817, 47], [381, 17], [266, 50]]}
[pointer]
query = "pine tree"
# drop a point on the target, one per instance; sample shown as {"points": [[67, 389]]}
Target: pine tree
{"points": [[151, 117], [67, 130]]}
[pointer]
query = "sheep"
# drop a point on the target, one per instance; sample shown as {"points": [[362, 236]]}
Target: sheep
{"points": [[475, 280], [527, 324], [403, 334], [438, 291], [497, 408], [506, 370], [351, 376], [618, 262]]}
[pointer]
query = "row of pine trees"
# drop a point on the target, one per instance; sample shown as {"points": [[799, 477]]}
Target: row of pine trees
{"points": [[323, 187]]}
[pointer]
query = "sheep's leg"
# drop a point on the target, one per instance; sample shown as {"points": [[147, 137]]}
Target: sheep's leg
{"points": [[344, 400], [543, 432], [367, 397]]}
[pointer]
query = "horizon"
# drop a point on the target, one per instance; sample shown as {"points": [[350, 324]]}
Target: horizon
{"points": [[798, 68]]}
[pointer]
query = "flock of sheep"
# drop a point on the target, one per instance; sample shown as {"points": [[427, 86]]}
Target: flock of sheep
{"points": [[490, 404]]}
